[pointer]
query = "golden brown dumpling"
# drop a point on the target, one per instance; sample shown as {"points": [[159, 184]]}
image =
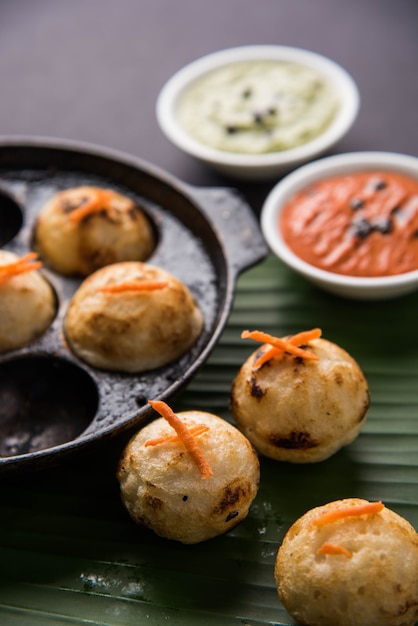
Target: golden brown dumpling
{"points": [[84, 228], [27, 301], [300, 409], [132, 317], [349, 563], [163, 489]]}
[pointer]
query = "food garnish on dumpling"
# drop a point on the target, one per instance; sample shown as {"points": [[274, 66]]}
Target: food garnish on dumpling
{"points": [[84, 228], [132, 317], [299, 398], [27, 300], [349, 562], [188, 476]]}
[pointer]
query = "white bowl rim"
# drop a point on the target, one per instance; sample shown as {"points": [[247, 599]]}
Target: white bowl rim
{"points": [[325, 168], [176, 85]]}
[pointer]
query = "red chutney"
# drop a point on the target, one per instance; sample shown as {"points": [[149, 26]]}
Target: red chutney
{"points": [[360, 224]]}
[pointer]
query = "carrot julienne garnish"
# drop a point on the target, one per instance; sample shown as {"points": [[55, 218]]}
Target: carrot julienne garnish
{"points": [[132, 285], [305, 336], [266, 356], [96, 202], [26, 263], [280, 346], [369, 508], [194, 430], [185, 435], [333, 549]]}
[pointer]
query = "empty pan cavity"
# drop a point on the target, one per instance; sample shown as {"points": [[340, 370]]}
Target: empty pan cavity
{"points": [[44, 402], [11, 218]]}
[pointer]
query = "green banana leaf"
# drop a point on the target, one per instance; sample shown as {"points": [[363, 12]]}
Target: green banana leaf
{"points": [[69, 553]]}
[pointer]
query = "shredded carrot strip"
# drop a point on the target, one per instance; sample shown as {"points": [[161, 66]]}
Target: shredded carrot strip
{"points": [[304, 337], [26, 263], [97, 202], [269, 354], [285, 345], [30, 256], [185, 435], [194, 430], [130, 285], [332, 548], [297, 340], [370, 508]]}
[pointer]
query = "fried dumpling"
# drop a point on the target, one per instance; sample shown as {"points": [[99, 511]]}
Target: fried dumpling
{"points": [[27, 300], [84, 228], [300, 402], [349, 562], [179, 494], [132, 317]]}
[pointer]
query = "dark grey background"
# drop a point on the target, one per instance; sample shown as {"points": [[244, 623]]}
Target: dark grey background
{"points": [[91, 70]]}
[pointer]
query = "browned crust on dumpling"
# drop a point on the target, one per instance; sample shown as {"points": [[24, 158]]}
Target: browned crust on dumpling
{"points": [[301, 410], [132, 331], [119, 232]]}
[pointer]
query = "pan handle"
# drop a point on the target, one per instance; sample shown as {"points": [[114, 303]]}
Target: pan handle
{"points": [[235, 224]]}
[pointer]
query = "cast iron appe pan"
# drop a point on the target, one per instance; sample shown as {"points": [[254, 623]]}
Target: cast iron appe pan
{"points": [[51, 403]]}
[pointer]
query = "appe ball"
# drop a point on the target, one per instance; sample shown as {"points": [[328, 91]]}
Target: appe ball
{"points": [[354, 570], [162, 487], [114, 323], [301, 410], [84, 228], [27, 305]]}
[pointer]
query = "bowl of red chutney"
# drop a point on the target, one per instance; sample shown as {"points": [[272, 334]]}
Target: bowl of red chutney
{"points": [[349, 223]]}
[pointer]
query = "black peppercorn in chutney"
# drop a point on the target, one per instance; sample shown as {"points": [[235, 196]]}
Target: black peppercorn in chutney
{"points": [[359, 224]]}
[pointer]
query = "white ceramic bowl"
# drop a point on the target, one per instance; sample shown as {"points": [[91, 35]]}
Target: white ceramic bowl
{"points": [[266, 165], [347, 286]]}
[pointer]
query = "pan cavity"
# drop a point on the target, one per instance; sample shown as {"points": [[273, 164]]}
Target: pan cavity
{"points": [[11, 218], [44, 402]]}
